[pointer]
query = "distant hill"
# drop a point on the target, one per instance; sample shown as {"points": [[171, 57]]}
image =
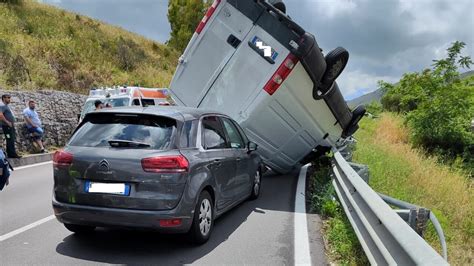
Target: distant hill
{"points": [[378, 94], [45, 47], [366, 98]]}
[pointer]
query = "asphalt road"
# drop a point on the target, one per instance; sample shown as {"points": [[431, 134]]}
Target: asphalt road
{"points": [[255, 232]]}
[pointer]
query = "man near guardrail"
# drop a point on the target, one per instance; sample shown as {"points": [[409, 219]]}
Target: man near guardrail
{"points": [[8, 125], [33, 124]]}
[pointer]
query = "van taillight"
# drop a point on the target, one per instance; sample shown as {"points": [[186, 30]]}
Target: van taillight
{"points": [[208, 15], [281, 74], [62, 158], [165, 164]]}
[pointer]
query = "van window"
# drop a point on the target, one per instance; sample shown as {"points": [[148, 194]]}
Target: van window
{"points": [[100, 128], [234, 135], [213, 133]]}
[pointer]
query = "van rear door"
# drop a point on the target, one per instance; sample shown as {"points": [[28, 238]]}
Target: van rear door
{"points": [[210, 48]]}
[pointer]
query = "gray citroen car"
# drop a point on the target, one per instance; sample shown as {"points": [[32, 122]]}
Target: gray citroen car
{"points": [[171, 169]]}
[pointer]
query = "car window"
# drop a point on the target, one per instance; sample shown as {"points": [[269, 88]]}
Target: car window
{"points": [[242, 133], [148, 102], [136, 102], [213, 133], [99, 129], [233, 133], [187, 138]]}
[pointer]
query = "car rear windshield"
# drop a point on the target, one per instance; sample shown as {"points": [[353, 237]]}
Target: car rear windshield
{"points": [[154, 132]]}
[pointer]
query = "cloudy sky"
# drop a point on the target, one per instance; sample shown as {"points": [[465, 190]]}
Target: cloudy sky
{"points": [[385, 38]]}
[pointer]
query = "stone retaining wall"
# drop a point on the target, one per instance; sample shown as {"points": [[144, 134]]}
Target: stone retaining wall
{"points": [[57, 110]]}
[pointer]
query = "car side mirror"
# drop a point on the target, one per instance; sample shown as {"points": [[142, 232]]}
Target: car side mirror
{"points": [[252, 146]]}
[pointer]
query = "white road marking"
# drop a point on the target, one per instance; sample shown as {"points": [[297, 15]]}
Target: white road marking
{"points": [[25, 228], [32, 165], [302, 255]]}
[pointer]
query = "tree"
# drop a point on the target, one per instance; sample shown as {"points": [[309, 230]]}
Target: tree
{"points": [[184, 16], [439, 106]]}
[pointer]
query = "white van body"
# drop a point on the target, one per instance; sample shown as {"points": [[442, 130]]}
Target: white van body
{"points": [[125, 96], [223, 69]]}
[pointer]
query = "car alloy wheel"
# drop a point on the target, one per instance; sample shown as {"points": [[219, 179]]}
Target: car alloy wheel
{"points": [[205, 217], [256, 183]]}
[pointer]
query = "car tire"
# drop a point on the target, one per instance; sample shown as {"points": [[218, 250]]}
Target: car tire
{"points": [[79, 229], [203, 221], [336, 61], [256, 185]]}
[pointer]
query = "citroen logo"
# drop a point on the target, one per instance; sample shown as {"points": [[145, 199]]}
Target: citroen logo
{"points": [[104, 165]]}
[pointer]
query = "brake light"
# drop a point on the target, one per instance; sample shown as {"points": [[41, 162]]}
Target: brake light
{"points": [[62, 158], [281, 74], [165, 164], [170, 222], [208, 15]]}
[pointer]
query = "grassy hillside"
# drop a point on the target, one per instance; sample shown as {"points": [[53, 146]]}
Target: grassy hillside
{"points": [[398, 170], [43, 46]]}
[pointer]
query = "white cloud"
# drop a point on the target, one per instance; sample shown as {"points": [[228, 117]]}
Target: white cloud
{"points": [[357, 82]]}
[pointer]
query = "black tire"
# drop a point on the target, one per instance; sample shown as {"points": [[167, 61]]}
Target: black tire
{"points": [[336, 61], [256, 185], [280, 6], [79, 229], [196, 235], [357, 115]]}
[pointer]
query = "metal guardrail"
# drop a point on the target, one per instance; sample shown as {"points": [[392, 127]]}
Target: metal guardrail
{"points": [[385, 237]]}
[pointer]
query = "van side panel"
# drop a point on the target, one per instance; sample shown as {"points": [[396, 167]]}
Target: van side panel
{"points": [[207, 54]]}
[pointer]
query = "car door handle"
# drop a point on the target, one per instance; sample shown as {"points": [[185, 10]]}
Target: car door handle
{"points": [[238, 159], [217, 162]]}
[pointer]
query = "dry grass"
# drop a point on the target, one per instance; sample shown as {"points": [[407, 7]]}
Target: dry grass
{"points": [[66, 51], [406, 173]]}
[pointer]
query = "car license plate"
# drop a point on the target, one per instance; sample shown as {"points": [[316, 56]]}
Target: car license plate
{"points": [[107, 188], [257, 39]]}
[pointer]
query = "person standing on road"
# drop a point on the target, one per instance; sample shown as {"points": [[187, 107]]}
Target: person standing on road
{"points": [[8, 125], [33, 124]]}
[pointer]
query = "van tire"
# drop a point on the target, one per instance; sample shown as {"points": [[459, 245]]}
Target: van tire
{"points": [[336, 61], [357, 115], [280, 6]]}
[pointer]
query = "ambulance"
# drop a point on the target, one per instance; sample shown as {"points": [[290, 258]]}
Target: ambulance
{"points": [[126, 96]]}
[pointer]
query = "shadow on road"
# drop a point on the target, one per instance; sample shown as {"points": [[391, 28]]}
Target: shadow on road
{"points": [[138, 247]]}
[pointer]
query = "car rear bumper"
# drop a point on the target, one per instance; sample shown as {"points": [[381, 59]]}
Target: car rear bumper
{"points": [[114, 217]]}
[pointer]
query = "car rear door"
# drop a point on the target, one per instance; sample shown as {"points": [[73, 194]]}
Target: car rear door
{"points": [[211, 47], [221, 159]]}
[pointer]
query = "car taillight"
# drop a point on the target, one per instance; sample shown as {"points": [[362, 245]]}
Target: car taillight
{"points": [[208, 15], [165, 164], [281, 74], [62, 158], [170, 222]]}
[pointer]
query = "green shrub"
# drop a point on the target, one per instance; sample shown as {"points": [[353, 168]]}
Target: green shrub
{"points": [[439, 106]]}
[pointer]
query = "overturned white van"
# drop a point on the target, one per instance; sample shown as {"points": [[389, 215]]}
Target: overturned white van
{"points": [[248, 59]]}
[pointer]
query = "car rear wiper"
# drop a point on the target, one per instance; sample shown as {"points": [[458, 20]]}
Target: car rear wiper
{"points": [[117, 143]]}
